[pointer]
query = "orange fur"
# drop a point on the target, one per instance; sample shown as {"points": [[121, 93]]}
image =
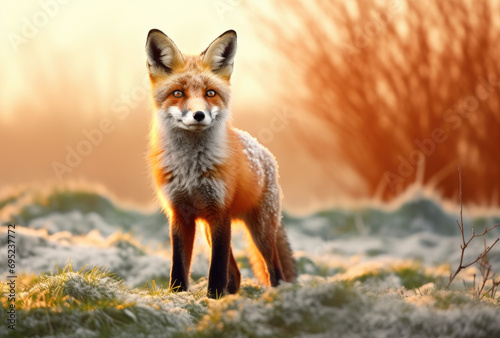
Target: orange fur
{"points": [[248, 193]]}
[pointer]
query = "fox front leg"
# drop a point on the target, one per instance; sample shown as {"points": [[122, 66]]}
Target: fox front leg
{"points": [[220, 232], [182, 231]]}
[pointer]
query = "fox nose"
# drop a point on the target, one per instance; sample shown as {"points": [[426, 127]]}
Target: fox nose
{"points": [[199, 116]]}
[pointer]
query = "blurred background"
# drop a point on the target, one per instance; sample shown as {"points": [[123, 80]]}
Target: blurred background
{"points": [[358, 100], [369, 106]]}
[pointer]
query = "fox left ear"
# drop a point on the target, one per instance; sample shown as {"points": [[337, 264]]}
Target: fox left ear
{"points": [[219, 55], [163, 56]]}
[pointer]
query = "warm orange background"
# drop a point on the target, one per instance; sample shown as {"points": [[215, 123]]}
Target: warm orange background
{"points": [[338, 91]]}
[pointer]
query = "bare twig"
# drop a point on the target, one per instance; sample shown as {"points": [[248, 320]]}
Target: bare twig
{"points": [[465, 244], [494, 287], [485, 269]]}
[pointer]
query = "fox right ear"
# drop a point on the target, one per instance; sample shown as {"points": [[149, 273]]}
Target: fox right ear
{"points": [[162, 53], [219, 56]]}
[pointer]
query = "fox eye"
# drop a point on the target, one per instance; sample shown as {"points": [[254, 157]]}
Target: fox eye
{"points": [[211, 93], [178, 93]]}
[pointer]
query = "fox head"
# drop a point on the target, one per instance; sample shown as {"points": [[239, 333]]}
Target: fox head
{"points": [[190, 92]]}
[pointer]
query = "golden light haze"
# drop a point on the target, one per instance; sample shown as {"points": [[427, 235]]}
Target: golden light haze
{"points": [[348, 95], [68, 65]]}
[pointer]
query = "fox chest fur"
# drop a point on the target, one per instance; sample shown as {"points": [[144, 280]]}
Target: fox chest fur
{"points": [[190, 165]]}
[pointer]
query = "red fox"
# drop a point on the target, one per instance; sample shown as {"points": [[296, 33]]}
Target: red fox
{"points": [[207, 172]]}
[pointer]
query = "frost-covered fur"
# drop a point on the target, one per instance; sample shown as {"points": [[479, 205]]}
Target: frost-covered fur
{"points": [[263, 163]]}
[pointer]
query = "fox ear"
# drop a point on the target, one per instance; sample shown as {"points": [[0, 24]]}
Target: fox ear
{"points": [[219, 56], [162, 53]]}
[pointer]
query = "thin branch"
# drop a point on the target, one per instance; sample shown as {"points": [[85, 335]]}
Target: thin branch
{"points": [[485, 252], [493, 288], [465, 244], [485, 269]]}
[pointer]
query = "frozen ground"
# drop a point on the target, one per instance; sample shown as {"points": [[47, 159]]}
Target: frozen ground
{"points": [[365, 271]]}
